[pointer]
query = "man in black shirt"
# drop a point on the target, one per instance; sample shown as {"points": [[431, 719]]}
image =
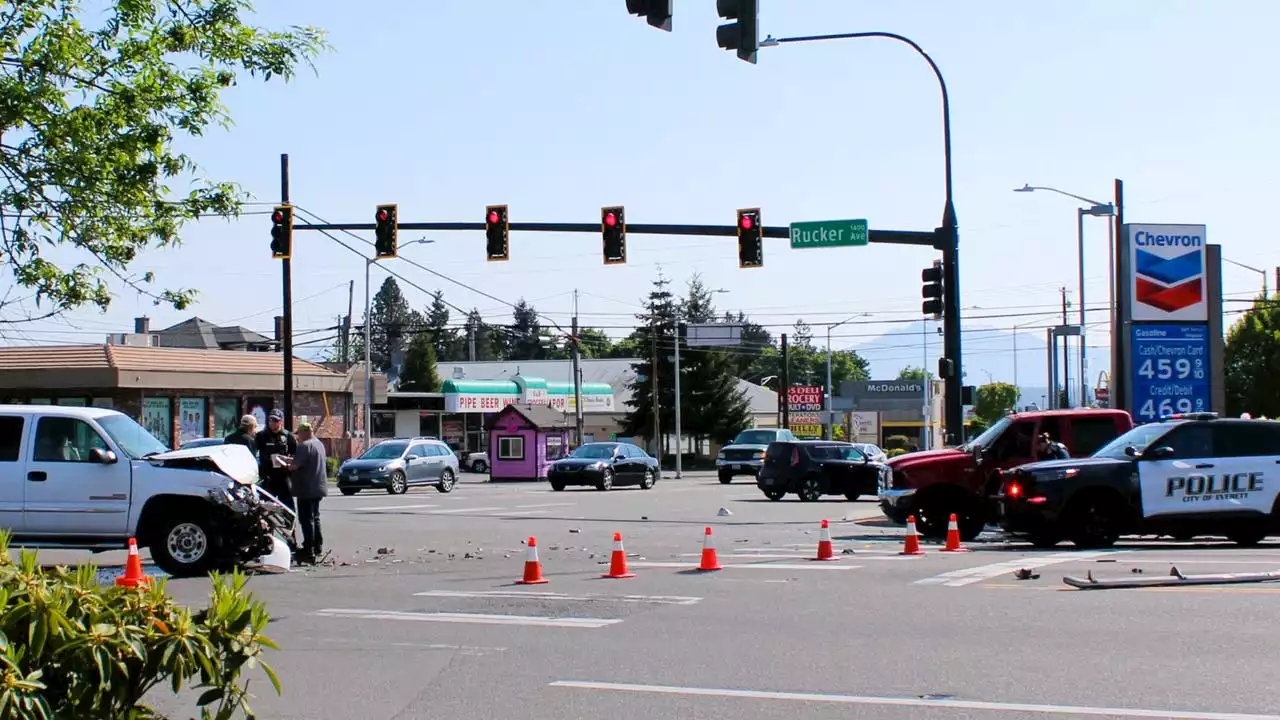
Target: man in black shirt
{"points": [[1049, 449], [275, 448], [245, 435]]}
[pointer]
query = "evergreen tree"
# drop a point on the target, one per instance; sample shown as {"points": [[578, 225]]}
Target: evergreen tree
{"points": [[443, 338], [755, 342], [490, 341], [712, 405], [420, 373], [594, 343], [525, 334], [655, 333], [391, 324]]}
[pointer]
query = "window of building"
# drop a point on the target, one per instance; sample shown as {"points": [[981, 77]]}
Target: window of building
{"points": [[384, 424], [10, 437], [511, 447], [555, 447], [65, 439]]}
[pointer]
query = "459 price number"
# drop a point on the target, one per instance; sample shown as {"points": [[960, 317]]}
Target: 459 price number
{"points": [[1151, 410], [1166, 369]]}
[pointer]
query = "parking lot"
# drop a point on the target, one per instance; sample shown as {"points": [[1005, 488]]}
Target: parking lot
{"points": [[418, 615]]}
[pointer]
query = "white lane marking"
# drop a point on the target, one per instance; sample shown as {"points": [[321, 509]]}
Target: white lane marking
{"points": [[544, 505], [519, 513], [747, 566], [563, 597], [950, 704], [587, 623], [457, 511], [1196, 561], [968, 576], [859, 556], [390, 507]]}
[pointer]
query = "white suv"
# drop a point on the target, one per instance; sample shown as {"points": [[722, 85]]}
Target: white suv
{"points": [[91, 478]]}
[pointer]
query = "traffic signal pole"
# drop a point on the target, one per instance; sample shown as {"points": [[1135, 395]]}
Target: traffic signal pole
{"points": [[286, 280]]}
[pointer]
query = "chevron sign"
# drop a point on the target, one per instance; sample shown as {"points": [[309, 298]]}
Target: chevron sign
{"points": [[1168, 272]]}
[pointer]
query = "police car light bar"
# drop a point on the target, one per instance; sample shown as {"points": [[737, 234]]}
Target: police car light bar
{"points": [[1192, 416]]}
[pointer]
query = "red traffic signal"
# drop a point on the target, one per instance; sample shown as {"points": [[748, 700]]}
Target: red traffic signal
{"points": [[493, 217], [277, 217], [746, 222], [382, 215], [611, 220]]}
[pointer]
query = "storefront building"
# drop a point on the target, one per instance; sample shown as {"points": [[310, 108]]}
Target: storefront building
{"points": [[178, 394], [901, 405]]}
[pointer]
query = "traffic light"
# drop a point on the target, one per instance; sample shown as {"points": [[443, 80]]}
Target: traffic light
{"points": [[743, 35], [613, 226], [384, 232], [496, 233], [750, 247], [657, 12], [282, 232], [932, 290]]}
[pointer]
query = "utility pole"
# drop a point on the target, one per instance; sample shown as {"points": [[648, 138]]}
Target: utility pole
{"points": [[471, 341], [1066, 367], [676, 387], [657, 427], [346, 325], [576, 349], [785, 382], [286, 279]]}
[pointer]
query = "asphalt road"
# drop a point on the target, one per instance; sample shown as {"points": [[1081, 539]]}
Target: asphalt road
{"points": [[420, 616]]}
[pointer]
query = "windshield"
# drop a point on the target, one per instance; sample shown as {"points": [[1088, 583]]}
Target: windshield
{"points": [[1138, 438], [835, 452], [989, 435], [385, 451], [594, 451], [755, 437], [132, 439]]}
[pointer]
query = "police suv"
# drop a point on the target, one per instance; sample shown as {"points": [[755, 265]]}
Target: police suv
{"points": [[1187, 475]]}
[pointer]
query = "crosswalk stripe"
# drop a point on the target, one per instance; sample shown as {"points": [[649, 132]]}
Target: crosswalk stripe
{"points": [[562, 597], [969, 576], [482, 619], [747, 566], [464, 510], [390, 507]]}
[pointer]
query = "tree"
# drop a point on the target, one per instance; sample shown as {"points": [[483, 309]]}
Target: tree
{"points": [[444, 340], [95, 100], [390, 324], [656, 331], [912, 373], [594, 343], [490, 342], [802, 336], [1252, 361], [754, 342], [526, 336], [712, 404], [420, 373], [993, 400]]}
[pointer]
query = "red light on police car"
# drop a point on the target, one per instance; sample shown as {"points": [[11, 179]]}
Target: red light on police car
{"points": [[611, 220], [1014, 489]]}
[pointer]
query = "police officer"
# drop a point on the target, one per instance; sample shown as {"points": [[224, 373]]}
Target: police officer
{"points": [[276, 447]]}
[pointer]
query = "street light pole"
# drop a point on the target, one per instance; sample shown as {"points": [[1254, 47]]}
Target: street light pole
{"points": [[948, 235], [368, 363], [828, 398], [1263, 273]]}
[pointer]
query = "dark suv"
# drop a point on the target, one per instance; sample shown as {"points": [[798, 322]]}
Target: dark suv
{"points": [[813, 468]]}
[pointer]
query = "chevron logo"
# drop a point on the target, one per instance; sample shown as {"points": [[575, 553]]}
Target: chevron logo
{"points": [[1171, 283]]}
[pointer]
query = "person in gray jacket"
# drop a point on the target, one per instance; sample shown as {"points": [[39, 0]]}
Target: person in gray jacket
{"points": [[310, 486]]}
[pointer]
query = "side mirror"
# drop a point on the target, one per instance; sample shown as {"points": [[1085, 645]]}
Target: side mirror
{"points": [[1131, 451], [1159, 453], [412, 456], [102, 457]]}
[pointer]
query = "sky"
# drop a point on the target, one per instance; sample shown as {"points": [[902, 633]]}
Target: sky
{"points": [[558, 108]]}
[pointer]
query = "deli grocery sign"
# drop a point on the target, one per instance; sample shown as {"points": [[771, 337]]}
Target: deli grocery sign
{"points": [[802, 399]]}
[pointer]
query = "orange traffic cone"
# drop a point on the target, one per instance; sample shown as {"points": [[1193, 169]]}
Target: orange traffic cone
{"points": [[709, 560], [825, 551], [133, 575], [953, 537], [912, 544], [532, 566], [618, 561]]}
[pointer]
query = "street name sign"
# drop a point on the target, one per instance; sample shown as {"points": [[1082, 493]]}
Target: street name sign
{"points": [[829, 233]]}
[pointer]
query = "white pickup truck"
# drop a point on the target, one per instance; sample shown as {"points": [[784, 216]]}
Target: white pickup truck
{"points": [[91, 478]]}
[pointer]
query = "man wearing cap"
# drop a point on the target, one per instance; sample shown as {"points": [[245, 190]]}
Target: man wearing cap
{"points": [[245, 434], [310, 485], [275, 446]]}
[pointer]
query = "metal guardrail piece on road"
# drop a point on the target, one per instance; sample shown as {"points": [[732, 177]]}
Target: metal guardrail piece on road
{"points": [[1175, 578]]}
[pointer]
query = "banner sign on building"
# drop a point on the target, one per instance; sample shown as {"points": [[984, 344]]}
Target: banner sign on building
{"points": [[1170, 370], [803, 404], [1167, 280], [864, 426]]}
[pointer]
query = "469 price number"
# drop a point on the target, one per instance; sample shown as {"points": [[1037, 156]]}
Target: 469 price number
{"points": [[1166, 369], [1151, 410]]}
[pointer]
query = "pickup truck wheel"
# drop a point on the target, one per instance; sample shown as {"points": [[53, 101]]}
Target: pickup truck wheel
{"points": [[1247, 537], [774, 495], [892, 514], [1093, 520], [936, 511], [479, 466], [184, 546], [725, 478]]}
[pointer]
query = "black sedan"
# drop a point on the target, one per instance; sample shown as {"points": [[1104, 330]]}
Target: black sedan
{"points": [[813, 468], [603, 465]]}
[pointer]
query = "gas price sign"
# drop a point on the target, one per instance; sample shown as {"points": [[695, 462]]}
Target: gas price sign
{"points": [[1170, 370]]}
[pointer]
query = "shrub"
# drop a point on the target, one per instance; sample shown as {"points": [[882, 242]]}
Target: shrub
{"points": [[895, 452], [71, 648], [331, 465], [897, 442]]}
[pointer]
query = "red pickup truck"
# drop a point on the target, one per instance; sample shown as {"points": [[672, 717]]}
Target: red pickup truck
{"points": [[935, 483]]}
